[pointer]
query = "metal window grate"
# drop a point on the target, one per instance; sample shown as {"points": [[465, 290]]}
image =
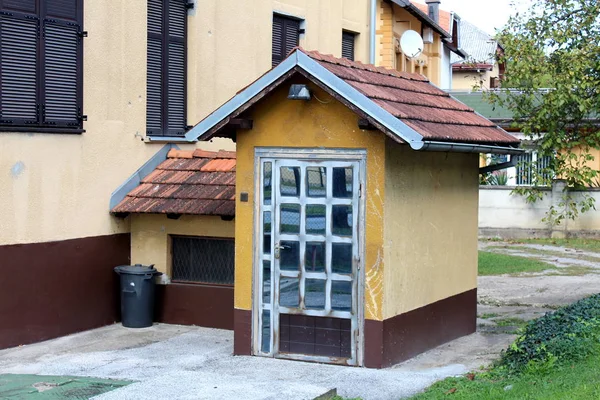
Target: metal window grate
{"points": [[203, 260]]}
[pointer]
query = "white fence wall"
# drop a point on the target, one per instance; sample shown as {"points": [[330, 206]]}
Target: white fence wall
{"points": [[502, 214]]}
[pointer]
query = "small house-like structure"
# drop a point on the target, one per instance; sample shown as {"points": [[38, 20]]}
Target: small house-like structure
{"points": [[356, 200]]}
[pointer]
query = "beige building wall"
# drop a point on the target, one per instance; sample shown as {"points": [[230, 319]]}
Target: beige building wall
{"points": [[57, 187], [392, 22], [430, 227], [150, 243], [473, 80]]}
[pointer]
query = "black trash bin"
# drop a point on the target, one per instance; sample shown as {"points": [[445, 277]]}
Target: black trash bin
{"points": [[137, 294]]}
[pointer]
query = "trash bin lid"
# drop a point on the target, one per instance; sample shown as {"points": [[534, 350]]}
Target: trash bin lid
{"points": [[137, 269]]}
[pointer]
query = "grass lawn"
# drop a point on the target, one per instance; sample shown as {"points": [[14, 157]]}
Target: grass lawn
{"points": [[579, 244], [498, 264], [578, 381]]}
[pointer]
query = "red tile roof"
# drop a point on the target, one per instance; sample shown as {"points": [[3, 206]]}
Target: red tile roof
{"points": [[444, 15], [194, 182], [428, 110]]}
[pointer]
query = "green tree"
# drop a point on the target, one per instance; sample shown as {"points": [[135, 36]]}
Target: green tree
{"points": [[552, 86]]}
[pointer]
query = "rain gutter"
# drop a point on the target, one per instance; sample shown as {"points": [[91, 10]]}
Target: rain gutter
{"points": [[464, 148]]}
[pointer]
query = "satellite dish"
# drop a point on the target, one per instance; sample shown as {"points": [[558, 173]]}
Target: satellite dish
{"points": [[411, 44]]}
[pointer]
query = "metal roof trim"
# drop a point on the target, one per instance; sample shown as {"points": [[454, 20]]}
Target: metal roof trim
{"points": [[465, 148], [358, 99], [242, 98], [134, 180]]}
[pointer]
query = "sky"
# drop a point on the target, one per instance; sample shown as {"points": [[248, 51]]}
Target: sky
{"points": [[487, 15]]}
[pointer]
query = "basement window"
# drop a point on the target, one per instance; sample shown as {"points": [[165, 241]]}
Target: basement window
{"points": [[202, 260]]}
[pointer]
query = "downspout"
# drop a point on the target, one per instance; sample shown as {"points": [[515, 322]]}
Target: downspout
{"points": [[373, 16]]}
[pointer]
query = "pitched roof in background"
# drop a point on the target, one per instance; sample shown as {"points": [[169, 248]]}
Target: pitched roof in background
{"points": [[430, 111], [480, 46], [192, 182]]}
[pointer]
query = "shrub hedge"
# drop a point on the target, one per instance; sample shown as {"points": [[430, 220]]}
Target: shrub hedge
{"points": [[568, 334]]}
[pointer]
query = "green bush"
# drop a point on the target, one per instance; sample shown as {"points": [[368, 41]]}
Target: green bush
{"points": [[568, 334]]}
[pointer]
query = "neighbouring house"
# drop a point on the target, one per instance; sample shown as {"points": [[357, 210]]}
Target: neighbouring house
{"points": [[438, 28], [480, 68], [355, 211]]}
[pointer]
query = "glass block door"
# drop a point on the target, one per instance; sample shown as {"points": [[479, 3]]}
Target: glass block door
{"points": [[310, 259]]}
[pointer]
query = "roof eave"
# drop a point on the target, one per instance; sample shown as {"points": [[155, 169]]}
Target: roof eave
{"points": [[411, 8], [429, 145]]}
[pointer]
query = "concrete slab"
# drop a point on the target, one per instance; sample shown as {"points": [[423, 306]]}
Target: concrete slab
{"points": [[178, 362]]}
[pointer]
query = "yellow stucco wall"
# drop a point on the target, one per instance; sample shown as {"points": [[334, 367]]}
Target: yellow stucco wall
{"points": [[392, 22], [150, 235], [469, 80], [280, 122], [57, 187], [430, 248]]}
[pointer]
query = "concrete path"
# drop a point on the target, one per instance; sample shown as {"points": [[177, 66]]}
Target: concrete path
{"points": [[180, 362]]}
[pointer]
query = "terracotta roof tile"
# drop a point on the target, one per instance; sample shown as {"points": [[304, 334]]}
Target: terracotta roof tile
{"points": [[196, 182], [428, 110], [444, 15]]}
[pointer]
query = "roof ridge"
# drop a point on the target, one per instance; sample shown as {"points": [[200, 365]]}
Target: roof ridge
{"points": [[201, 153]]}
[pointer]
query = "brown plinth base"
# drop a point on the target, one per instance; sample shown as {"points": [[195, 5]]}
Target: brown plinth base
{"points": [[242, 332], [53, 289], [189, 304], [404, 336]]}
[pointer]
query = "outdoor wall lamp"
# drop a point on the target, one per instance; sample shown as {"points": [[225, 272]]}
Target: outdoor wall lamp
{"points": [[299, 92]]}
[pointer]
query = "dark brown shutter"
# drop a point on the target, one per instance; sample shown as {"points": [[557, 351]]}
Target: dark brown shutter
{"points": [[154, 102], [18, 69], [41, 63], [286, 36], [61, 44], [176, 68], [348, 45], [166, 79]]}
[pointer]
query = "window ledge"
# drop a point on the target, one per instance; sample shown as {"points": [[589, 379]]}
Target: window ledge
{"points": [[167, 139], [37, 129]]}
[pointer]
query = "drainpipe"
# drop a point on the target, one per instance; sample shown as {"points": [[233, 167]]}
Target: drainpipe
{"points": [[372, 33]]}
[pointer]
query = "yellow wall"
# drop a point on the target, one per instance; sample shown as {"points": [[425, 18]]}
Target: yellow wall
{"points": [[150, 236], [469, 80], [392, 22], [286, 123], [57, 187], [430, 227]]}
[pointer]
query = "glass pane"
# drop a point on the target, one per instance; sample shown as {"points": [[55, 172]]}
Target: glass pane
{"points": [[289, 254], [341, 258], [267, 173], [316, 181], [341, 296], [315, 257], [314, 293], [267, 232], [289, 293], [290, 181], [290, 218], [342, 182], [266, 331], [341, 220], [315, 219], [267, 282]]}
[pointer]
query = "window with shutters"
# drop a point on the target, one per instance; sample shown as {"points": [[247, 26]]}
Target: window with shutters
{"points": [[41, 65], [166, 76], [202, 260], [348, 39], [286, 36]]}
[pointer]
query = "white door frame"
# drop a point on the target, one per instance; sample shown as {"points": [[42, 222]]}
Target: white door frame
{"points": [[301, 154]]}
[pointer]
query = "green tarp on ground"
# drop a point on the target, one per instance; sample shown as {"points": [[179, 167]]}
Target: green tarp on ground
{"points": [[43, 387]]}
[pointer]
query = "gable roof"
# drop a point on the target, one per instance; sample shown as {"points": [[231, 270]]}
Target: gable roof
{"points": [[193, 182], [404, 106], [480, 46]]}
